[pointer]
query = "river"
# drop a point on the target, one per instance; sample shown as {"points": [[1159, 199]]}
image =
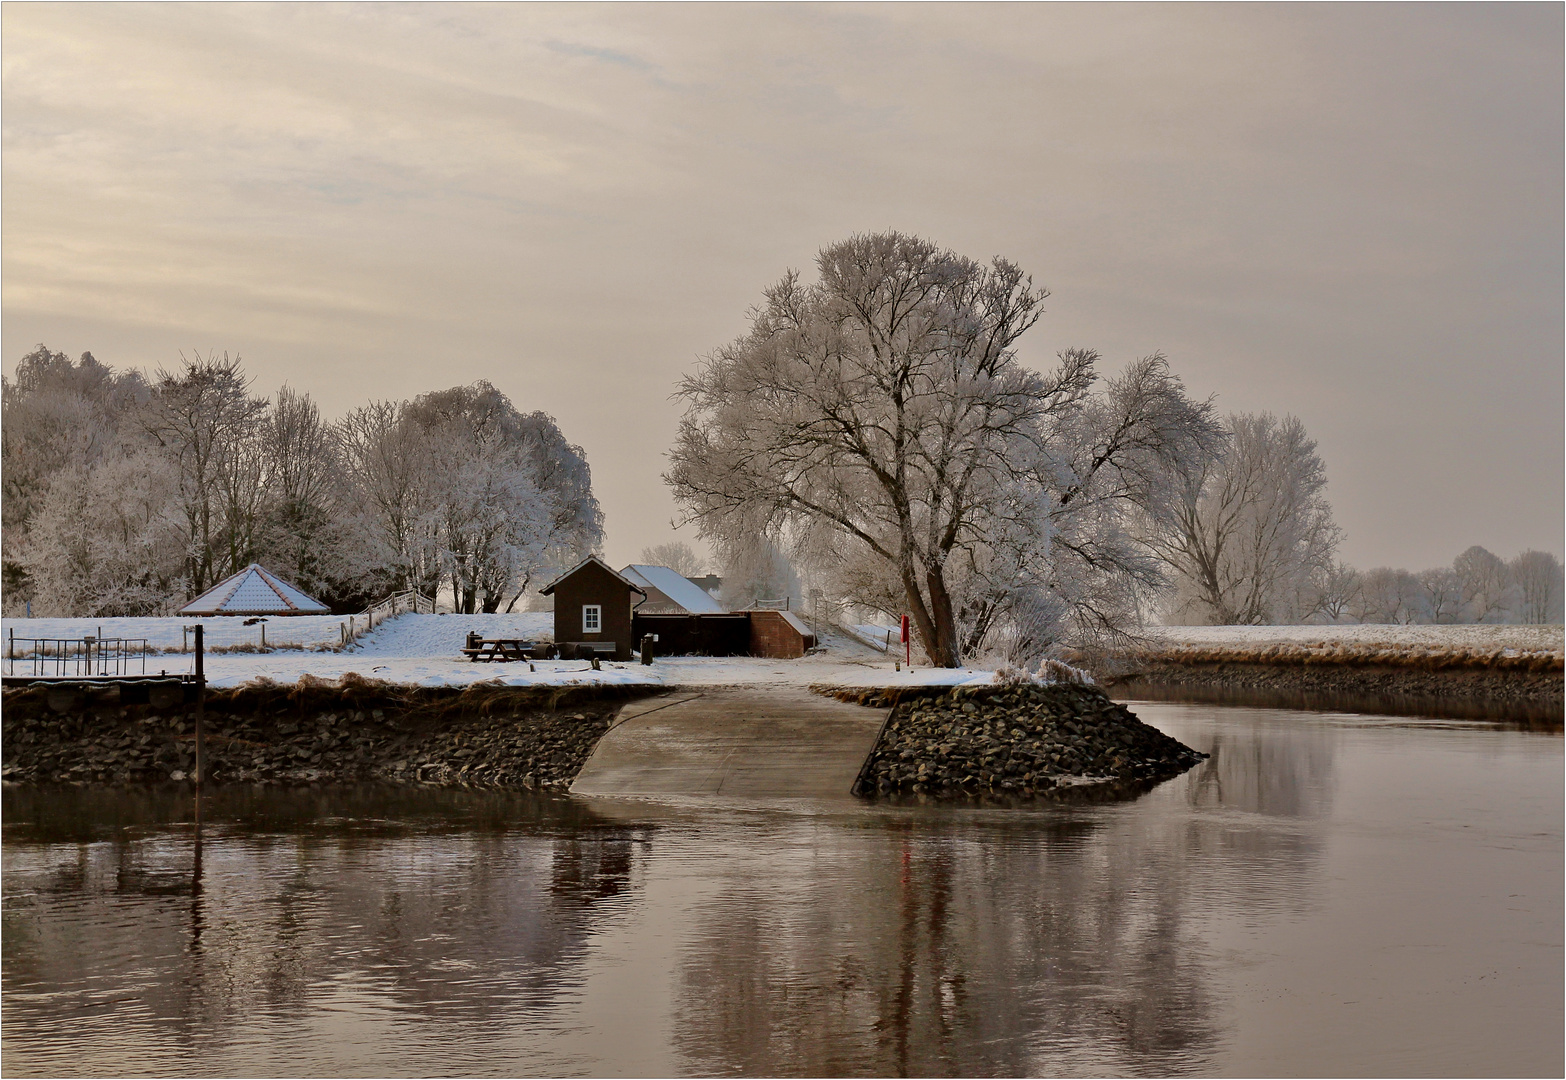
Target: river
{"points": [[1329, 894]]}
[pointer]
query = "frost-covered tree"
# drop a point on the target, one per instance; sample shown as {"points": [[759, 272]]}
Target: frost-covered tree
{"points": [[882, 404], [209, 425], [879, 423], [1387, 595], [754, 569], [385, 463], [510, 498], [304, 479], [1253, 528], [677, 556], [58, 416], [1440, 595], [1538, 579], [108, 539], [1337, 589], [1483, 584]]}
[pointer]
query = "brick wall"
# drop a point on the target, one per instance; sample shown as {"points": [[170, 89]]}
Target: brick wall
{"points": [[773, 634]]}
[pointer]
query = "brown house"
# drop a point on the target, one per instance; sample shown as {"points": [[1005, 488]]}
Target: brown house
{"points": [[592, 610]]}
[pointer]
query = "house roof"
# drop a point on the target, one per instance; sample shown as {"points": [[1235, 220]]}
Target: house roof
{"points": [[676, 586], [254, 591], [547, 589]]}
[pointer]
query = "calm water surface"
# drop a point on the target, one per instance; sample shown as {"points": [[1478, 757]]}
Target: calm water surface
{"points": [[1329, 895]]}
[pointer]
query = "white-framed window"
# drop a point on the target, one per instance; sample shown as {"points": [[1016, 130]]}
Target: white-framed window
{"points": [[592, 618]]}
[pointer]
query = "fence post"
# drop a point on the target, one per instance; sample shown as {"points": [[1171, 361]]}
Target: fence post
{"points": [[201, 707]]}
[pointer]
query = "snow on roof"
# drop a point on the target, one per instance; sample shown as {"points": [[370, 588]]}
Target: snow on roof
{"points": [[676, 586], [547, 589], [254, 591]]}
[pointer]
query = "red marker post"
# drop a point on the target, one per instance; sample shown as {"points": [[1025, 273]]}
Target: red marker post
{"points": [[907, 645]]}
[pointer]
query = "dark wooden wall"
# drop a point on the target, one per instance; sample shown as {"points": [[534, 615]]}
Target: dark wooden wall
{"points": [[696, 635], [592, 584]]}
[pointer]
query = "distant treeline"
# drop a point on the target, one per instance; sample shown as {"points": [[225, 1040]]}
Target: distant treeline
{"points": [[1479, 587], [128, 496]]}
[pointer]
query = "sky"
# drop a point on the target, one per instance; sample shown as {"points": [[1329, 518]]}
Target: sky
{"points": [[1351, 213]]}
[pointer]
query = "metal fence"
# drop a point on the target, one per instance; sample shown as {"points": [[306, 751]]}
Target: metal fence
{"points": [[86, 657]]}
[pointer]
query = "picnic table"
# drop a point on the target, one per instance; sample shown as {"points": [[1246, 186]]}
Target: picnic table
{"points": [[489, 650]]}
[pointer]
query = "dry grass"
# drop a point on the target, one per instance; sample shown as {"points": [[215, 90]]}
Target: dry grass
{"points": [[427, 703], [1422, 657]]}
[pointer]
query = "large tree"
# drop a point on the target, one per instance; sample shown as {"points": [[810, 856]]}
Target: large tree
{"points": [[1537, 575], [883, 403], [508, 495], [880, 419], [209, 425], [1253, 536]]}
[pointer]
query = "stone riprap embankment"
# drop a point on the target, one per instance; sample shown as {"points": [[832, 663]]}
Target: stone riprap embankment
{"points": [[492, 736], [1021, 740]]}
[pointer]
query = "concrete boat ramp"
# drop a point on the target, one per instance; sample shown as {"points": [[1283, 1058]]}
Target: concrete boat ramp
{"points": [[777, 742]]}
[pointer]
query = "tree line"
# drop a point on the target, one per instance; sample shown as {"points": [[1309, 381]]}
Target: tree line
{"points": [[876, 426], [125, 495], [1478, 587]]}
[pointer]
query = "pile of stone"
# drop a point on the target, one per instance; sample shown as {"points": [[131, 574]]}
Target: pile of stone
{"points": [[1021, 740], [257, 739]]}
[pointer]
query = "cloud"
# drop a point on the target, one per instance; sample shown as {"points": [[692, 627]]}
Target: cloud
{"points": [[1352, 213]]}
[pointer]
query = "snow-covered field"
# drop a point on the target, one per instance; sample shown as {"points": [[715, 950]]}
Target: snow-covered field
{"points": [[425, 650], [1467, 636], [162, 634]]}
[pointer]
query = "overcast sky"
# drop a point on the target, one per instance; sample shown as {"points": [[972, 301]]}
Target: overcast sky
{"points": [[1351, 213]]}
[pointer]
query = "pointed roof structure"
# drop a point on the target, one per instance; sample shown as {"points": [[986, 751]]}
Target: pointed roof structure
{"points": [[254, 591], [547, 589]]}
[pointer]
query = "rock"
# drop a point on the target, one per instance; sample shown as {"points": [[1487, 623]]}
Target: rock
{"points": [[959, 743]]}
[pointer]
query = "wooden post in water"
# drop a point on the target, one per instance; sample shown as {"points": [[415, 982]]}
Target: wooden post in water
{"points": [[201, 714]]}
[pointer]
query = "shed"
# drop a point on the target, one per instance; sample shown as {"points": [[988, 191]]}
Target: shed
{"points": [[254, 591], [593, 608], [670, 592], [780, 634]]}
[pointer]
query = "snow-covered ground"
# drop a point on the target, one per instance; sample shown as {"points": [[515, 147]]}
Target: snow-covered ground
{"points": [[425, 650], [1458, 636]]}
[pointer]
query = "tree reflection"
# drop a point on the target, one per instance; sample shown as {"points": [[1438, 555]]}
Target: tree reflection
{"points": [[1000, 949], [465, 923]]}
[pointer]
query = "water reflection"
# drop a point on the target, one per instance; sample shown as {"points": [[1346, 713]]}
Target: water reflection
{"points": [[198, 940], [380, 931], [1276, 771], [1055, 946]]}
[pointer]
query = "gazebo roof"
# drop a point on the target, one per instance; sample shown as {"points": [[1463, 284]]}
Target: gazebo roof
{"points": [[254, 591]]}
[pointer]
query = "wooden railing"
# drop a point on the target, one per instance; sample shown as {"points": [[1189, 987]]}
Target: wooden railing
{"points": [[411, 601]]}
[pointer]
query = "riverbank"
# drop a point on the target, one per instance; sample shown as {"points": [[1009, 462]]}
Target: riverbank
{"points": [[1458, 670], [1022, 739], [312, 733]]}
